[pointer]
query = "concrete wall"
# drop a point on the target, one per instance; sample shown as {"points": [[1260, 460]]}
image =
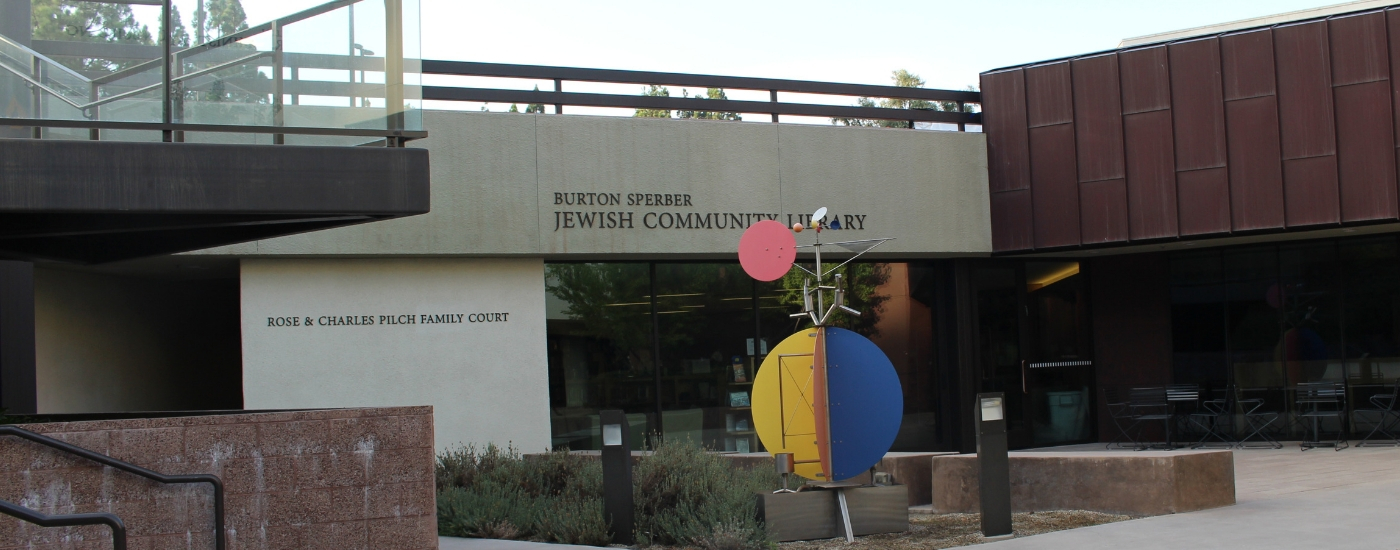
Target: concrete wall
{"points": [[418, 339], [109, 343], [313, 480], [496, 176]]}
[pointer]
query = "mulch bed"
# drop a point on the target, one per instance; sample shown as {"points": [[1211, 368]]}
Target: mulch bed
{"points": [[930, 531]]}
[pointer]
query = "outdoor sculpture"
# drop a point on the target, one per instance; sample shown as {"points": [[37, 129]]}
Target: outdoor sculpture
{"points": [[826, 395]]}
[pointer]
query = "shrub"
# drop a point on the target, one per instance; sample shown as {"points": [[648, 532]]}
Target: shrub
{"points": [[684, 497]]}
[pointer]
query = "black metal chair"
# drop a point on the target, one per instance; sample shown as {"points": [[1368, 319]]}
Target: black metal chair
{"points": [[1387, 410], [1120, 412], [1150, 405], [1260, 413], [1317, 401], [1212, 417]]}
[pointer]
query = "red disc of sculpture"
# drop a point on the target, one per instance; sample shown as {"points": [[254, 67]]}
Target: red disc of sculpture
{"points": [[767, 250]]}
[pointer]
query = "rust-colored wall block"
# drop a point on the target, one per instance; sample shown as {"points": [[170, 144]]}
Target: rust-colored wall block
{"points": [[326, 479]]}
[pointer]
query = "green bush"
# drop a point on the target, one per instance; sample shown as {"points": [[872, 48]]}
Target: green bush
{"points": [[684, 497]]}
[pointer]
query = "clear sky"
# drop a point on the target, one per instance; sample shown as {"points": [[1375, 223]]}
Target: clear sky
{"points": [[947, 43]]}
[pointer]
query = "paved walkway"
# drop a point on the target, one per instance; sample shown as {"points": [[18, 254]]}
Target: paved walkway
{"points": [[454, 543], [1285, 499]]}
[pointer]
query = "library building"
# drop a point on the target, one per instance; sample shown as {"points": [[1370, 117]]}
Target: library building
{"points": [[1215, 207]]}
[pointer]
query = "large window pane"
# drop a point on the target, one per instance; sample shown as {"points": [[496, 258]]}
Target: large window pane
{"points": [[705, 313], [1372, 307], [1253, 298], [1307, 301], [1198, 317], [600, 353]]}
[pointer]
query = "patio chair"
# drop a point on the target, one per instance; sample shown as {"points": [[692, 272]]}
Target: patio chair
{"points": [[1317, 401], [1260, 413], [1120, 412], [1150, 405], [1211, 417], [1387, 411]]}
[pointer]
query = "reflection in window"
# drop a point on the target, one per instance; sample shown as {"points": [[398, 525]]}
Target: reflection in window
{"points": [[714, 327]]}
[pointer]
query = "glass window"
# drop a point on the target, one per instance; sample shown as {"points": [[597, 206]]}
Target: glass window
{"points": [[1253, 298], [598, 318], [1198, 317], [1372, 308], [706, 319], [1307, 301]]}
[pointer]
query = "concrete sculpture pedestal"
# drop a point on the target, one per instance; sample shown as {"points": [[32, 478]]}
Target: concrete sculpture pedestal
{"points": [[814, 514]]}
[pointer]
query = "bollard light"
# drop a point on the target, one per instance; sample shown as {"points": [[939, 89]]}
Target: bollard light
{"points": [[617, 475], [994, 465]]}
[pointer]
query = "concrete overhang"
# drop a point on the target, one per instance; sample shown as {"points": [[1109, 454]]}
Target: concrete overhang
{"points": [[101, 201]]}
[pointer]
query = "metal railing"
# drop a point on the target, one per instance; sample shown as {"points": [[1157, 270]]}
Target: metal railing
{"points": [[89, 519], [174, 74], [69, 520], [962, 116]]}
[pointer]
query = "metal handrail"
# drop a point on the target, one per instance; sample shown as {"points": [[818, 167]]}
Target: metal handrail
{"points": [[401, 135], [961, 117], [219, 539], [69, 520]]}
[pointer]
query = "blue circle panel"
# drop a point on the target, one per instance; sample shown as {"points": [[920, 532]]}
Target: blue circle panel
{"points": [[865, 402]]}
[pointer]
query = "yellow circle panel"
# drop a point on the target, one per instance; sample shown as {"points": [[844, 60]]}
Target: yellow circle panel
{"points": [[782, 402]]}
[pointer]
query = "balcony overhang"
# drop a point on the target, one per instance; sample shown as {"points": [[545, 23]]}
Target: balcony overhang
{"points": [[102, 201]]}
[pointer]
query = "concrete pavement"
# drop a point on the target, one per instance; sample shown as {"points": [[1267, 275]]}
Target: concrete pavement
{"points": [[1286, 499]]}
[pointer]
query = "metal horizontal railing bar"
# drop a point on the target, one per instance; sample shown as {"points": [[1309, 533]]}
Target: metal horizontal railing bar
{"points": [[69, 520], [100, 50], [491, 95], [41, 86], [219, 539], [231, 38], [217, 128], [222, 66], [502, 70], [30, 51]]}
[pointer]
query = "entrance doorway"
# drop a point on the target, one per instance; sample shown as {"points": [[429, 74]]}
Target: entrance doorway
{"points": [[1031, 325]]}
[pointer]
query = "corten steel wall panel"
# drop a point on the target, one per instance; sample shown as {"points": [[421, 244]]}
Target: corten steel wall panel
{"points": [[1205, 201], [1256, 171], [1393, 25], [1048, 95], [1098, 118], [1247, 64], [1304, 91], [1310, 191], [1366, 152], [1012, 227], [1359, 49], [1145, 81], [1198, 106], [1103, 211], [1054, 186], [1004, 121], [1151, 184]]}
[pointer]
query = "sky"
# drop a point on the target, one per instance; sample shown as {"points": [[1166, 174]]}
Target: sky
{"points": [[946, 43]]}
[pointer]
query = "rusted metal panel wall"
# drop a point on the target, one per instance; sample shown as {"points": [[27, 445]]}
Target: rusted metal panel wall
{"points": [[1251, 107], [1268, 129], [1098, 123], [1009, 160]]}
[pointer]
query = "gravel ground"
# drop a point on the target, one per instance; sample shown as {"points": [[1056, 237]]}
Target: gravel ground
{"points": [[930, 531]]}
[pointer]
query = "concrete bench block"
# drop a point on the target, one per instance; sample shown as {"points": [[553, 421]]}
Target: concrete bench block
{"points": [[817, 515], [1141, 484]]}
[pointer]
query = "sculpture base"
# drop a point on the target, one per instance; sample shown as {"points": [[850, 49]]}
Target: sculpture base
{"points": [[815, 514]]}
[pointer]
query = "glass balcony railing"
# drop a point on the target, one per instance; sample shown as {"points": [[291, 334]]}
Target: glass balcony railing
{"points": [[344, 72]]}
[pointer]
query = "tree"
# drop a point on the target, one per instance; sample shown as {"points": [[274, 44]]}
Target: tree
{"points": [[535, 108], [218, 19], [654, 91], [903, 79], [710, 93], [74, 21]]}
